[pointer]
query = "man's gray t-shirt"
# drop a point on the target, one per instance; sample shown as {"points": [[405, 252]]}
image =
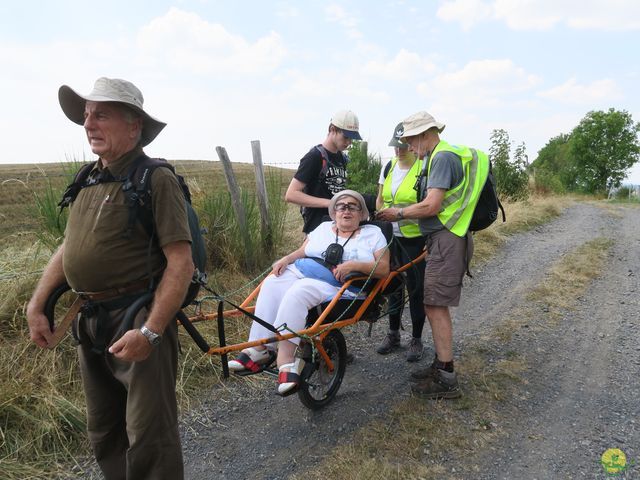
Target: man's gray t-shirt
{"points": [[446, 173]]}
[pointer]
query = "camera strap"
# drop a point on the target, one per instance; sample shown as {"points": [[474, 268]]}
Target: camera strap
{"points": [[345, 243]]}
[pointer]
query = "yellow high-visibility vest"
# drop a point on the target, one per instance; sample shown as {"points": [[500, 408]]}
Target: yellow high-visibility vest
{"points": [[405, 196], [460, 202]]}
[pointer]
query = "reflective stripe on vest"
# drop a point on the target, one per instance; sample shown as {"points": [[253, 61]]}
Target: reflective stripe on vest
{"points": [[460, 202], [405, 196]]}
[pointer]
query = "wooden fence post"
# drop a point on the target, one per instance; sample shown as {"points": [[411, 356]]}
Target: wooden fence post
{"points": [[236, 200], [261, 190]]}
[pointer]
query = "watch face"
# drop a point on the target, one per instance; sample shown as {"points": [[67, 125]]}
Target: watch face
{"points": [[153, 338]]}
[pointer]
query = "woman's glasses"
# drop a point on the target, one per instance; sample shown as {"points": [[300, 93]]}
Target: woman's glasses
{"points": [[343, 207]]}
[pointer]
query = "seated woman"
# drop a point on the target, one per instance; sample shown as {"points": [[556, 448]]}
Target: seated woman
{"points": [[298, 283]]}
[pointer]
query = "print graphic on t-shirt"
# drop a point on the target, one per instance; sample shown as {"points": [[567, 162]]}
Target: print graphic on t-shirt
{"points": [[335, 179]]}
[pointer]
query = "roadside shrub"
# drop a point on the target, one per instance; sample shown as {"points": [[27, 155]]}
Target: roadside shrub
{"points": [[45, 204], [231, 248], [546, 181], [512, 180], [363, 170]]}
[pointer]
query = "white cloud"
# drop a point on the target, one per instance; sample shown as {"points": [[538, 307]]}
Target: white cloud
{"points": [[336, 14], [404, 66], [184, 41], [530, 14], [480, 82], [467, 12], [545, 14], [570, 92]]}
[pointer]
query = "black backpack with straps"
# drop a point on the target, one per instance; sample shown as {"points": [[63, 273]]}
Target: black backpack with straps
{"points": [[137, 188], [487, 208], [486, 211]]}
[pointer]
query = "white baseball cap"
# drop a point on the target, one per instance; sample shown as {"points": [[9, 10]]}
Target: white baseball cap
{"points": [[347, 121]]}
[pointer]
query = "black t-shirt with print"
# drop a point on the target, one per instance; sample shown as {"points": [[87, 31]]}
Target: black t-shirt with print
{"points": [[318, 185]]}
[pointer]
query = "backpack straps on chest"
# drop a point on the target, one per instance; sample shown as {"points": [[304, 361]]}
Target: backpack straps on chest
{"points": [[73, 189], [326, 161], [137, 189]]}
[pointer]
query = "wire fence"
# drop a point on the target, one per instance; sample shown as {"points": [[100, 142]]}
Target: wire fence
{"points": [[36, 172]]}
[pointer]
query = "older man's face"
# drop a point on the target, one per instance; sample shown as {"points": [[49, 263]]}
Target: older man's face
{"points": [[417, 144], [109, 131]]}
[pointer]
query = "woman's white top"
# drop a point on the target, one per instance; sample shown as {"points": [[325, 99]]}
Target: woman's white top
{"points": [[361, 247]]}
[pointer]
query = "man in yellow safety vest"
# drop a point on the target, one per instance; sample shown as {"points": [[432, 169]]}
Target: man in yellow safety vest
{"points": [[453, 177]]}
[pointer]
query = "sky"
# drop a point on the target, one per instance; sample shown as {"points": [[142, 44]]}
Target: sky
{"points": [[225, 73]]}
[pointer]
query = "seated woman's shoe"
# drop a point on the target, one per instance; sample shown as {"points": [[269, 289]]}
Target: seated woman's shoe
{"points": [[252, 359], [289, 377]]}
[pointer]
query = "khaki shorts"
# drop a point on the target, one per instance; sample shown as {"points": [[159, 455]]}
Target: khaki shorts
{"points": [[447, 262]]}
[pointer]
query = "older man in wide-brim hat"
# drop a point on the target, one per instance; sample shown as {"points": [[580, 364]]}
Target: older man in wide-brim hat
{"points": [[450, 186], [129, 376]]}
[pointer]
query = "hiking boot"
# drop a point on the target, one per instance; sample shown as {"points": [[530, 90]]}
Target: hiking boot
{"points": [[389, 343], [415, 350], [423, 373], [442, 385]]}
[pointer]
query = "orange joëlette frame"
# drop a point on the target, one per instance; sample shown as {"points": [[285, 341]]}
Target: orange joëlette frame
{"points": [[318, 328]]}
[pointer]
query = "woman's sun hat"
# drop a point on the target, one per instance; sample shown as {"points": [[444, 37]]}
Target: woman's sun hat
{"points": [[364, 213]]}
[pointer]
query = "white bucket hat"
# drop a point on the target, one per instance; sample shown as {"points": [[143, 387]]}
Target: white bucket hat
{"points": [[364, 213], [110, 90], [347, 121], [418, 123]]}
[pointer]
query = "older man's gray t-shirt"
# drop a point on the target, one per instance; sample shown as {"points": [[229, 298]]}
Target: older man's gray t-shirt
{"points": [[446, 173]]}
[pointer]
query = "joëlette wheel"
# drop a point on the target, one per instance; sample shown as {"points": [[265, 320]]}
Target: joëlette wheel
{"points": [[319, 386]]}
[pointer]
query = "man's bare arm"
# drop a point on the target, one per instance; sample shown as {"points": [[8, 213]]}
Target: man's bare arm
{"points": [[52, 277], [296, 196]]}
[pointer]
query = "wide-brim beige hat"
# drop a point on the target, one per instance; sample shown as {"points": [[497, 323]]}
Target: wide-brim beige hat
{"points": [[110, 90], [418, 123], [364, 213]]}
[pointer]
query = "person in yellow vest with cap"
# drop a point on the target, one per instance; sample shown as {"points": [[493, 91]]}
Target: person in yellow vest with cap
{"points": [[397, 189], [452, 180]]}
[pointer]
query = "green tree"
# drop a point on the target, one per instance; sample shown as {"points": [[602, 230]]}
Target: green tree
{"points": [[554, 169], [363, 170], [510, 175], [604, 147]]}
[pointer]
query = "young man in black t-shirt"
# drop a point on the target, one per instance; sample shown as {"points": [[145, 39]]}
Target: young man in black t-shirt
{"points": [[323, 170]]}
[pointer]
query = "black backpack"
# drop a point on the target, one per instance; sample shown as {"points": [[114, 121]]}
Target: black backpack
{"points": [[137, 187], [486, 210]]}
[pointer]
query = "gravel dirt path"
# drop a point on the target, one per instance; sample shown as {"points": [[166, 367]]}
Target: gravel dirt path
{"points": [[579, 396]]}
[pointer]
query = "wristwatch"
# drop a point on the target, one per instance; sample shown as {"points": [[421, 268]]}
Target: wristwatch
{"points": [[400, 214], [153, 338]]}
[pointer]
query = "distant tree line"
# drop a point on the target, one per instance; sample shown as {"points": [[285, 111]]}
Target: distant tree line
{"points": [[594, 158]]}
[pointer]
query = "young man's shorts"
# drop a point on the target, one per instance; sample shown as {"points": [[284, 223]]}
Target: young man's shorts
{"points": [[447, 262]]}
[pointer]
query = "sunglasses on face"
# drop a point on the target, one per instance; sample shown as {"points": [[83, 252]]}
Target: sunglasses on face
{"points": [[343, 207]]}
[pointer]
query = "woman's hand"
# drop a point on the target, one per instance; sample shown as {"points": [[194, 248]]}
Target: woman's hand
{"points": [[342, 270], [280, 266]]}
